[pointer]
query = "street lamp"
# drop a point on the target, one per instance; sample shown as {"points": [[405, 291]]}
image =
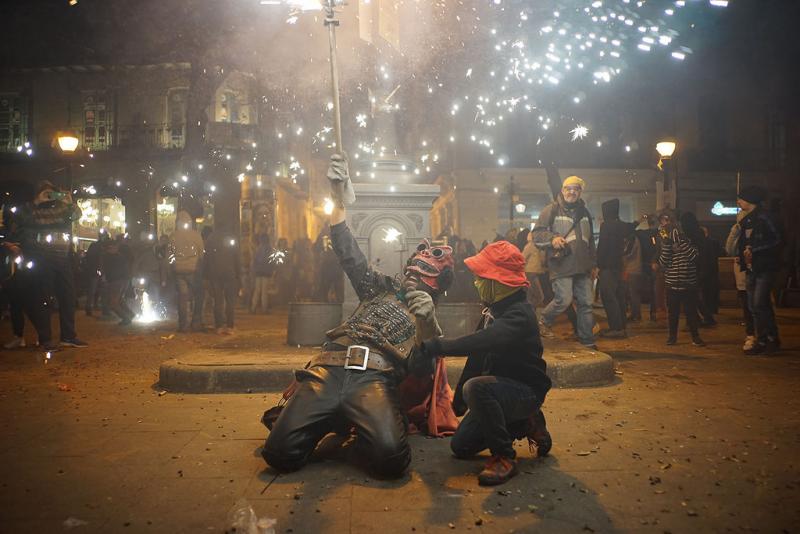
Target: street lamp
{"points": [[665, 150], [68, 143]]}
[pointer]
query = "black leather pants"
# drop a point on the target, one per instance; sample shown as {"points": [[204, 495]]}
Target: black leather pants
{"points": [[328, 394]]}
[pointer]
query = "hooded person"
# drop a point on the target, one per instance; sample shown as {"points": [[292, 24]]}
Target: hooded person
{"points": [[187, 253], [610, 251], [353, 381], [505, 380]]}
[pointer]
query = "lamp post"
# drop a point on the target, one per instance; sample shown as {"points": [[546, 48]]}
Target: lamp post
{"points": [[665, 150], [68, 143]]}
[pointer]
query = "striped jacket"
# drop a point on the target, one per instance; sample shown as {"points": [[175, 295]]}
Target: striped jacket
{"points": [[678, 258]]}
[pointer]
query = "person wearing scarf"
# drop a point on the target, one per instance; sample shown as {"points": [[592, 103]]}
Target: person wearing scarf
{"points": [[505, 380]]}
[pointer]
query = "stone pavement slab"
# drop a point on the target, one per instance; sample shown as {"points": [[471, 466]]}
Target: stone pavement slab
{"points": [[685, 440]]}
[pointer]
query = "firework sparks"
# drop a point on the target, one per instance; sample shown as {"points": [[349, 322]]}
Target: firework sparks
{"points": [[579, 132]]}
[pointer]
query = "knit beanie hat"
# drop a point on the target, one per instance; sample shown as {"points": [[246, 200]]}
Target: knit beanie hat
{"points": [[753, 194]]}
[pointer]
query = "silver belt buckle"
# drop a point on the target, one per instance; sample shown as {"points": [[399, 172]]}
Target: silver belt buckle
{"points": [[356, 351]]}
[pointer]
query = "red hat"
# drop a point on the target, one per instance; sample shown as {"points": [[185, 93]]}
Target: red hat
{"points": [[500, 261]]}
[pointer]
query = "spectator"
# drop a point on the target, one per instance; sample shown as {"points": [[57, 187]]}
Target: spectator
{"points": [[759, 248], [633, 279], [116, 268], [648, 241], [263, 270], [222, 266], [304, 276], [732, 249], [678, 259], [23, 292], [708, 278], [610, 249], [46, 227], [188, 248], [91, 267], [330, 278], [564, 231], [534, 270]]}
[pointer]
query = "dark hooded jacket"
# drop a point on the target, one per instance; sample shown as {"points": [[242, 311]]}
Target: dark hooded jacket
{"points": [[506, 343], [613, 233]]}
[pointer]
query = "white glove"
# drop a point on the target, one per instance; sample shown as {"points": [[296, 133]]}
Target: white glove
{"points": [[420, 304], [339, 173]]}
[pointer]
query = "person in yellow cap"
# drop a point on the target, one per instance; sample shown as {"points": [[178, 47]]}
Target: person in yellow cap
{"points": [[505, 380], [564, 231]]}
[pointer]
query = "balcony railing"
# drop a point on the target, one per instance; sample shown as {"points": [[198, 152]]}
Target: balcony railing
{"points": [[231, 135], [158, 136]]}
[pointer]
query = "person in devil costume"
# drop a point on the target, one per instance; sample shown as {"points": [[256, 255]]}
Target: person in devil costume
{"points": [[353, 381]]}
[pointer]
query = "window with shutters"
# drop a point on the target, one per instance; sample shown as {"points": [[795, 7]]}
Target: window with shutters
{"points": [[13, 121], [96, 121]]}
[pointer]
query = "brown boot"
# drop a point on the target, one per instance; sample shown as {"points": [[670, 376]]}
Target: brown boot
{"points": [[539, 440], [498, 470]]}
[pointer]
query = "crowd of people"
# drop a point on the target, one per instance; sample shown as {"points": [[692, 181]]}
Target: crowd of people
{"points": [[666, 259], [671, 263], [189, 273]]}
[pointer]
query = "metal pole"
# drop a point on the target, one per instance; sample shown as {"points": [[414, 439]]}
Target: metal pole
{"points": [[511, 203], [331, 23]]}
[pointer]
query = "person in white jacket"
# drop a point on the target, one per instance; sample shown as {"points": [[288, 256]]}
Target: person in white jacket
{"points": [[187, 250], [732, 248]]}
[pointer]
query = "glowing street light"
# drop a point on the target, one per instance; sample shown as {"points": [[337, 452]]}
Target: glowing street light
{"points": [[68, 143], [666, 149]]}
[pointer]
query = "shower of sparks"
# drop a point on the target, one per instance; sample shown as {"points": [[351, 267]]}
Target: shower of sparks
{"points": [[278, 257], [537, 71], [149, 313], [391, 235], [579, 132]]}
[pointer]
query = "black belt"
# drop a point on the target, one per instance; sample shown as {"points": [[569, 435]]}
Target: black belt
{"points": [[356, 357]]}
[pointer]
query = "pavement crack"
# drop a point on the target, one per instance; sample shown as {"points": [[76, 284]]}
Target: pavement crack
{"points": [[270, 483]]}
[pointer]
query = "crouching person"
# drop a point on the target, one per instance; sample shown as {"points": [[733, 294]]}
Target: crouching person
{"points": [[353, 382], [504, 381]]}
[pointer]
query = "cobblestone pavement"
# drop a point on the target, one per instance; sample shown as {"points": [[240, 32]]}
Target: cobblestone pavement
{"points": [[686, 440]]}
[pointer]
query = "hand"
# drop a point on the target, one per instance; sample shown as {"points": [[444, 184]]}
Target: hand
{"points": [[595, 272], [420, 304], [341, 186], [558, 242], [420, 362], [748, 255], [339, 169]]}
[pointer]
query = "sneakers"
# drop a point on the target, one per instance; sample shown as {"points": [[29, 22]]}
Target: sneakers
{"points": [[672, 341], [697, 342], [545, 330], [74, 342], [49, 346], [589, 346], [224, 331], [16, 343], [749, 343], [757, 348], [539, 440], [772, 346], [498, 470], [613, 334]]}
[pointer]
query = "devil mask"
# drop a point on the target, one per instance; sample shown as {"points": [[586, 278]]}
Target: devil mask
{"points": [[434, 265]]}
